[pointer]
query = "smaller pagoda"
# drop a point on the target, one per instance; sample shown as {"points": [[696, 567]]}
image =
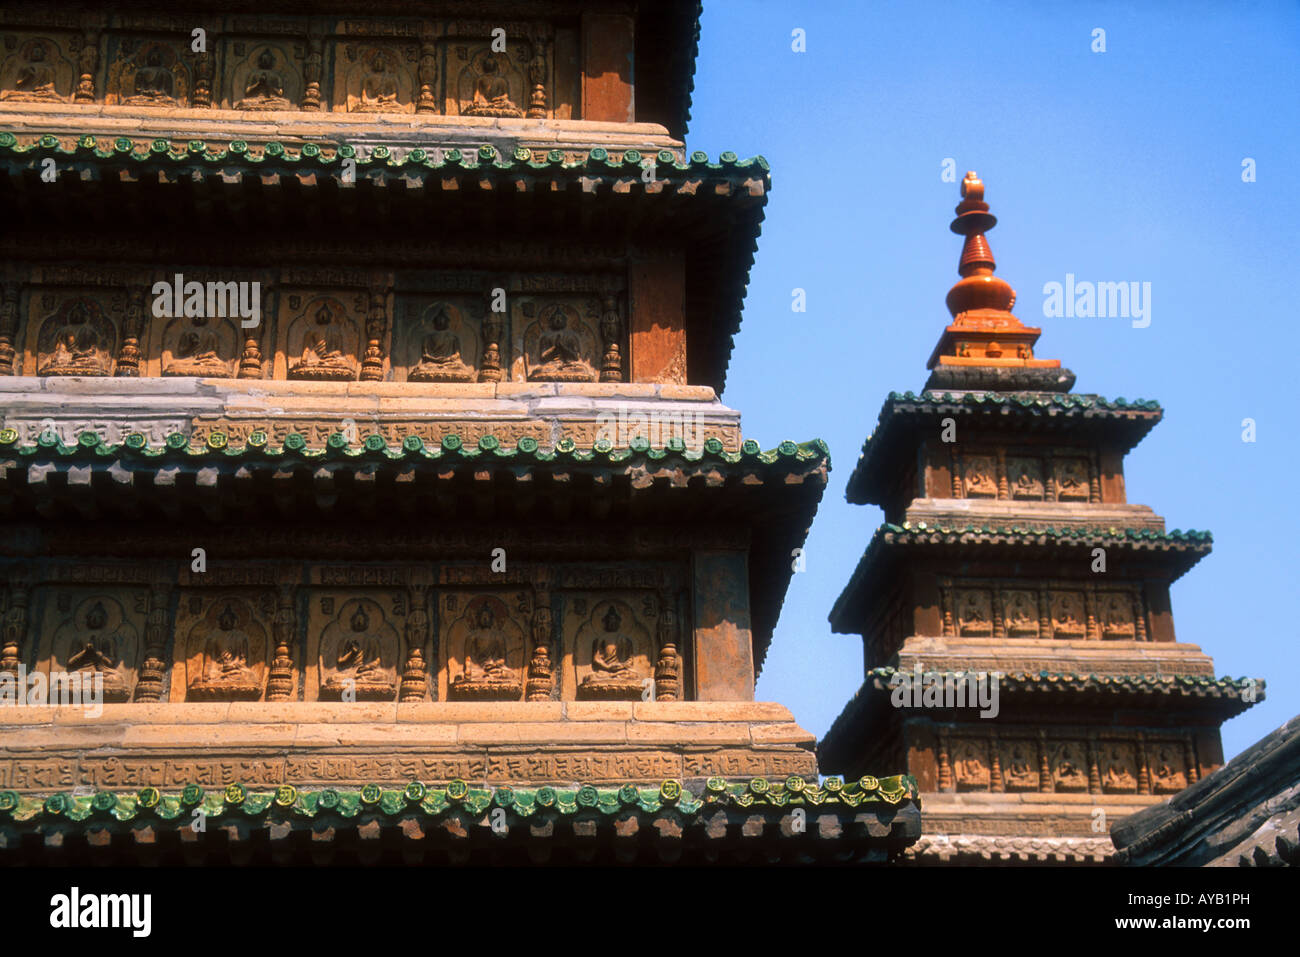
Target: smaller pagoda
{"points": [[1018, 641]]}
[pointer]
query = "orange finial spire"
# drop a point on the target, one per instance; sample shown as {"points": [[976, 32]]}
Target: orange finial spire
{"points": [[978, 287], [986, 346]]}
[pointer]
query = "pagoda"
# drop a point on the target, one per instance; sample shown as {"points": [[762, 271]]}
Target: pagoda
{"points": [[359, 373], [1018, 641]]}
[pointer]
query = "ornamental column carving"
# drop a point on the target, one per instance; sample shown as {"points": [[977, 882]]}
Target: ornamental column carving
{"points": [[8, 325], [154, 667], [372, 366], [668, 669], [611, 329], [415, 672], [427, 101], [15, 628], [537, 102], [128, 357], [311, 98], [945, 765], [493, 328], [541, 668], [279, 687], [87, 61]]}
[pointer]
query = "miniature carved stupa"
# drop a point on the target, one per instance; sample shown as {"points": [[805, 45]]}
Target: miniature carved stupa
{"points": [[360, 426], [1009, 548]]}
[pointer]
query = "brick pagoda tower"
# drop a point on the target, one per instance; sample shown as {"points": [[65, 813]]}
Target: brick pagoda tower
{"points": [[1009, 547], [359, 373]]}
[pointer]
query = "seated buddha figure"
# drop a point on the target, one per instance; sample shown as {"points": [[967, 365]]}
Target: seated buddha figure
{"points": [[153, 84], [560, 352], [264, 89], [225, 674], [197, 353], [78, 349], [35, 78], [492, 93], [613, 671], [378, 88], [486, 675], [440, 358], [322, 351], [98, 652], [359, 665]]}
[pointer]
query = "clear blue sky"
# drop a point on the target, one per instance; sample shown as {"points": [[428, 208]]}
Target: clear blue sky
{"points": [[1116, 166]]}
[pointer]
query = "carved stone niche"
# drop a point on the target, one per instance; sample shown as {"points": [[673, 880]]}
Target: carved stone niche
{"points": [[439, 342], [1068, 616], [200, 346], [74, 335], [148, 73], [557, 340], [1019, 763], [974, 612], [1069, 763], [1168, 769], [375, 78], [226, 645], [320, 340], [970, 764], [485, 648], [262, 75], [93, 631], [981, 476], [1025, 478], [358, 649], [1116, 615], [613, 651], [1072, 475], [1117, 765], [1020, 613], [482, 82], [36, 69]]}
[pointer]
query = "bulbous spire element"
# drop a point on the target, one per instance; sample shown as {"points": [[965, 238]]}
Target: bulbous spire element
{"points": [[978, 288]]}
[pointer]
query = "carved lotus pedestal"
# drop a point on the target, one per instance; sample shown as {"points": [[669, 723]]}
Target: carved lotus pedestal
{"points": [[479, 689], [224, 691], [429, 374], [323, 373], [611, 689], [336, 690]]}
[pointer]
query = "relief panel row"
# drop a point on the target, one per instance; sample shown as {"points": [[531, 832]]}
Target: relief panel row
{"points": [[362, 644], [1042, 609], [459, 75], [317, 335]]}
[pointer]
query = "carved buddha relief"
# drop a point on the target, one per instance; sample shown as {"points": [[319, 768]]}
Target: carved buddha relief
{"points": [[1168, 771], [376, 79], [226, 652], [970, 764], [558, 345], [358, 654], [612, 654], [981, 474], [1025, 478], [1070, 767], [1067, 614], [200, 346], [485, 652], [150, 74], [1116, 614], [78, 339], [488, 83], [264, 77], [974, 612], [1019, 761], [1020, 613], [323, 342], [1071, 479], [97, 637], [1118, 768], [37, 72], [442, 347]]}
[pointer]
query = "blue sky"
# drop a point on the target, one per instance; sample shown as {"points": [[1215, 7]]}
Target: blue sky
{"points": [[1117, 166]]}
